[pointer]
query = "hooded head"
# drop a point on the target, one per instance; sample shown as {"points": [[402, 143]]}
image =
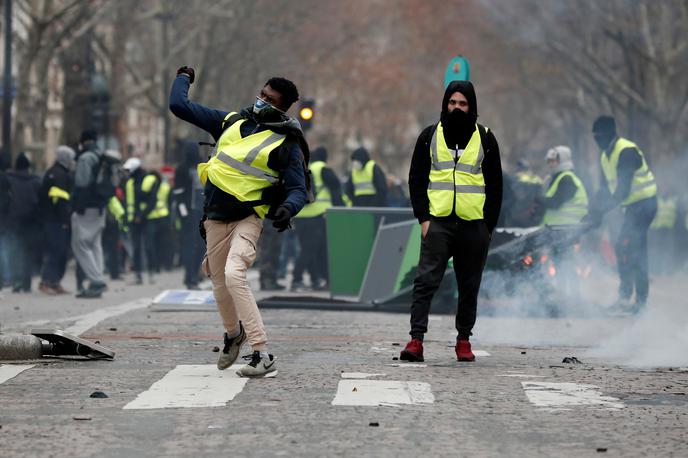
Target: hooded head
{"points": [[360, 157], [88, 136], [459, 123], [559, 158], [65, 156], [22, 163], [190, 151], [604, 131], [319, 154]]}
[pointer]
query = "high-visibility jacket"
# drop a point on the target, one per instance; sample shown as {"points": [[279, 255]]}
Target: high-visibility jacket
{"points": [[528, 178], [323, 198], [667, 213], [240, 165], [147, 186], [162, 207], [115, 208], [363, 180], [55, 194], [573, 210], [643, 185], [456, 186]]}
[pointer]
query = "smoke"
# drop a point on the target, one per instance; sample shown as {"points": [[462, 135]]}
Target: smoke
{"points": [[552, 305]]}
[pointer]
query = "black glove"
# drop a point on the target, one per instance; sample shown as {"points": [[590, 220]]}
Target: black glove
{"points": [[281, 219], [188, 71]]}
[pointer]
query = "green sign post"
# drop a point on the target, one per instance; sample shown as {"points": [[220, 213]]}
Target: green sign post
{"points": [[457, 70]]}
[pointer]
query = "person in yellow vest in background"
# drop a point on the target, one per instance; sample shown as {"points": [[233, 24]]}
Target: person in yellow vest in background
{"points": [[455, 182], [367, 184], [565, 204], [310, 224], [664, 234], [256, 171], [140, 193], [627, 181], [566, 200], [56, 209], [158, 229]]}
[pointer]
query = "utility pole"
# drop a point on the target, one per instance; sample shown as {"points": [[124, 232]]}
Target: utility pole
{"points": [[7, 90]]}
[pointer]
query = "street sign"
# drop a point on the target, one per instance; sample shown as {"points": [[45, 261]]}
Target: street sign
{"points": [[457, 70]]}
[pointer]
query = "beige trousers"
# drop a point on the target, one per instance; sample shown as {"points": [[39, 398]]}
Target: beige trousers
{"points": [[230, 251]]}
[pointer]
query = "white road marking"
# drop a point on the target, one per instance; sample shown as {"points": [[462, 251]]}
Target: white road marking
{"points": [[360, 375], [82, 323], [563, 395], [191, 386], [8, 371], [382, 393], [406, 365], [521, 375], [480, 353]]}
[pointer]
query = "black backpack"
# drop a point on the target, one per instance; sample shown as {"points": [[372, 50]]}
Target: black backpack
{"points": [[106, 175]]}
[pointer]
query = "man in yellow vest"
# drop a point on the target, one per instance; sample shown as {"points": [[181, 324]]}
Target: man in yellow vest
{"points": [[626, 180], [310, 224], [455, 183], [367, 184], [565, 203], [257, 170]]}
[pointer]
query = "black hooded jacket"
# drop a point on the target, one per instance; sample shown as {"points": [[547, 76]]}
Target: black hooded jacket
{"points": [[457, 133], [188, 190]]}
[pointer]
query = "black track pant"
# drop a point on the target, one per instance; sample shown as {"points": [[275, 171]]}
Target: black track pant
{"points": [[467, 242], [631, 249], [313, 255]]}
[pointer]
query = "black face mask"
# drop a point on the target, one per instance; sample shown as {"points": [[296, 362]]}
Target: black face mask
{"points": [[603, 140], [459, 117]]}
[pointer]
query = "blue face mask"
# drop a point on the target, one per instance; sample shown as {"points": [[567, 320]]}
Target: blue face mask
{"points": [[265, 112]]}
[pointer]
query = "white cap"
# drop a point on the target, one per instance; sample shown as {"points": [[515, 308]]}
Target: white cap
{"points": [[563, 155], [132, 164]]}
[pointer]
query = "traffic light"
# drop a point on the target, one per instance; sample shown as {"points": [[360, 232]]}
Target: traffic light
{"points": [[307, 113]]}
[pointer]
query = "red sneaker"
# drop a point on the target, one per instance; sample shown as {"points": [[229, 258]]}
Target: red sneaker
{"points": [[463, 351], [413, 351]]}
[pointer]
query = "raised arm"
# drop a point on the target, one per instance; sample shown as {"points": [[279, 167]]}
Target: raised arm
{"points": [[208, 119]]}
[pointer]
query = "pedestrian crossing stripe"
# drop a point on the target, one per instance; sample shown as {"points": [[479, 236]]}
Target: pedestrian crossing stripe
{"points": [[9, 371], [192, 386], [562, 396], [375, 393]]}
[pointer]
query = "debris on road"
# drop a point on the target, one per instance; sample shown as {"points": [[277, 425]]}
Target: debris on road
{"points": [[216, 349], [98, 394], [571, 360], [373, 423], [81, 418]]}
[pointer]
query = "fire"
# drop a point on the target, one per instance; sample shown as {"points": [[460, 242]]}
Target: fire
{"points": [[528, 260], [551, 270]]}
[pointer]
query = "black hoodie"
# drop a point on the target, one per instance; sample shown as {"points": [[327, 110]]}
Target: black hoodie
{"points": [[457, 133], [379, 199]]}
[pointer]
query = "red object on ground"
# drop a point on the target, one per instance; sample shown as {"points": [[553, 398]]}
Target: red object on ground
{"points": [[413, 351], [463, 351]]}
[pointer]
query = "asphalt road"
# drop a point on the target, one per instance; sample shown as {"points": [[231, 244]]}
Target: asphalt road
{"points": [[340, 392]]}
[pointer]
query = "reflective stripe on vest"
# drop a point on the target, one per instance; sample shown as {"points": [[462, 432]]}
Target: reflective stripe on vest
{"points": [[363, 180], [667, 212], [457, 186], [240, 167], [161, 205], [573, 210], [643, 185], [323, 199], [55, 193]]}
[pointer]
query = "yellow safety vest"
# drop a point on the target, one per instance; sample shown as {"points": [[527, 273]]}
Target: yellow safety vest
{"points": [[457, 186], [643, 185], [161, 205], [55, 194], [667, 212], [363, 180], [525, 177], [240, 166], [571, 211], [323, 199], [115, 208], [147, 185]]}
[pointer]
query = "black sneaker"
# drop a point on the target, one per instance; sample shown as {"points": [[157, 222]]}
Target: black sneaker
{"points": [[230, 352], [258, 367]]}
